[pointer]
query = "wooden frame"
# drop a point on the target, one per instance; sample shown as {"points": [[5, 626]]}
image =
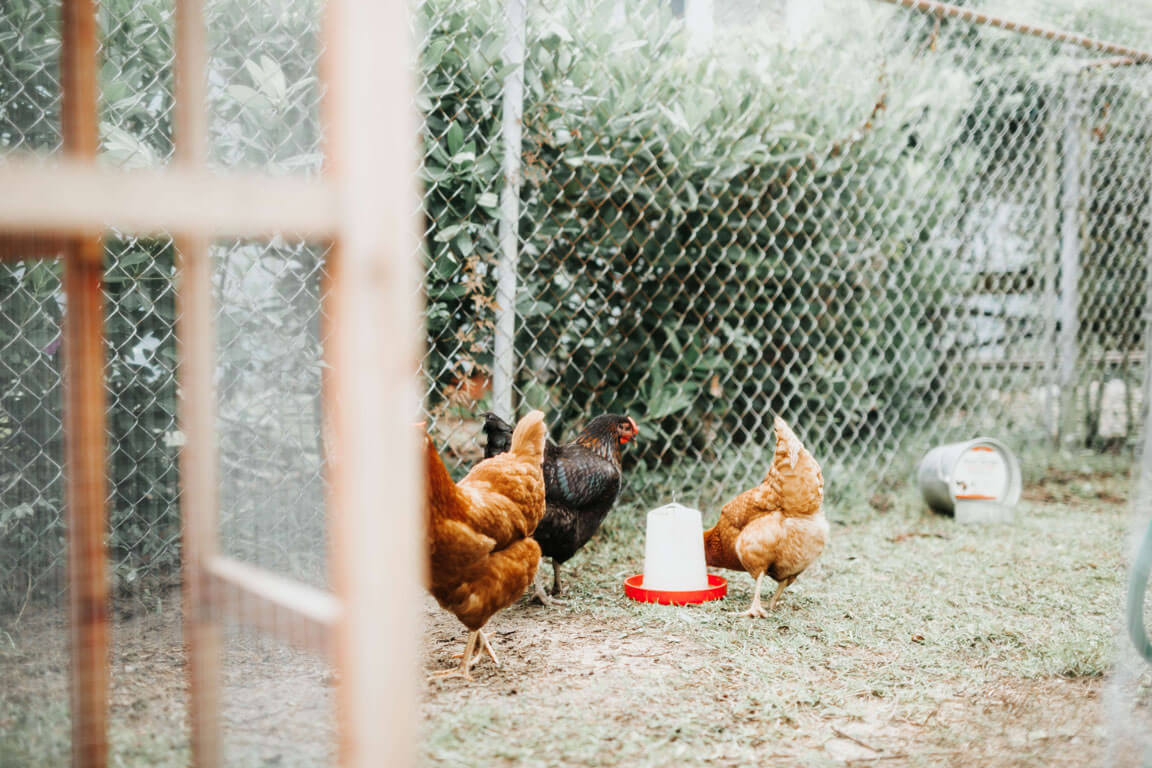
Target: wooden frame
{"points": [[87, 197], [84, 406], [365, 205]]}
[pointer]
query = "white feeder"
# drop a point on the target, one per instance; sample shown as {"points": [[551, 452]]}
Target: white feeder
{"points": [[674, 569], [977, 481], [674, 549]]}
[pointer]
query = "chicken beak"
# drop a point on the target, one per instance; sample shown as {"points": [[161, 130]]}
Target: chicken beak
{"points": [[635, 432]]}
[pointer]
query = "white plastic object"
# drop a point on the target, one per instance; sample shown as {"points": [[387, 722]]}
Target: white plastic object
{"points": [[977, 481], [674, 549]]}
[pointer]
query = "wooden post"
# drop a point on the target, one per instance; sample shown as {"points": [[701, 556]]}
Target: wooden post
{"points": [[1070, 258], [373, 345], [84, 407], [198, 460], [504, 354]]}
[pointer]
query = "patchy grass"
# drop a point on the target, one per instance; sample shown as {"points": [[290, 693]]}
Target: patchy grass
{"points": [[913, 641]]}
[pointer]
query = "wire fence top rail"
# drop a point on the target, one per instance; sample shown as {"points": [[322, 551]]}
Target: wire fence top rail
{"points": [[1056, 35]]}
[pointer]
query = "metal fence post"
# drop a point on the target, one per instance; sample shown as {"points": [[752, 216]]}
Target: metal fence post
{"points": [[700, 23], [1050, 270], [801, 19], [504, 360], [1070, 258]]}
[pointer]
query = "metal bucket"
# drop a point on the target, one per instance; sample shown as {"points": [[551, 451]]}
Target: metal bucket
{"points": [[977, 476]]}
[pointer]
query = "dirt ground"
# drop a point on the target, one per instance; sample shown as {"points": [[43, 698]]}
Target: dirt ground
{"points": [[912, 642]]}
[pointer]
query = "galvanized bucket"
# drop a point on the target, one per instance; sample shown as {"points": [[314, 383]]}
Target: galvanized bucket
{"points": [[974, 474]]}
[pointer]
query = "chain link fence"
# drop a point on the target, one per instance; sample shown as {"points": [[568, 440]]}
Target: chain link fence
{"points": [[895, 231], [264, 109], [891, 227]]}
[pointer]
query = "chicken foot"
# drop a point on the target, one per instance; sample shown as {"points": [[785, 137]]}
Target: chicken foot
{"points": [[485, 644], [756, 611], [540, 594], [466, 661]]}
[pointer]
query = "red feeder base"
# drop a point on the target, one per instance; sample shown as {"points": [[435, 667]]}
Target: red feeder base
{"points": [[716, 589]]}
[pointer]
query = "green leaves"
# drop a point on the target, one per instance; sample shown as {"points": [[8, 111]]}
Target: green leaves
{"points": [[663, 398]]}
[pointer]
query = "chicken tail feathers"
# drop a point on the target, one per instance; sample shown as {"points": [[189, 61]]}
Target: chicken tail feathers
{"points": [[443, 497], [529, 437]]}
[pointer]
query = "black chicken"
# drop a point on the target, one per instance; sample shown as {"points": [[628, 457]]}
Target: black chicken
{"points": [[581, 481], [499, 434]]}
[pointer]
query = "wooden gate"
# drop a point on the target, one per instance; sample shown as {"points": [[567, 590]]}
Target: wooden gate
{"points": [[363, 205]]}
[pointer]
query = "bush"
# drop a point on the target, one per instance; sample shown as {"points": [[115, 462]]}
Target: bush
{"points": [[711, 239]]}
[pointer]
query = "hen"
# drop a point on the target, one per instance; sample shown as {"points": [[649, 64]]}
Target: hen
{"points": [[499, 435], [481, 556], [777, 528], [582, 479]]}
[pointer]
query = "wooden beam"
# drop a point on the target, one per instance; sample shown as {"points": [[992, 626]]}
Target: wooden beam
{"points": [[86, 515], [374, 464], [25, 246], [249, 596], [199, 467], [199, 481], [81, 196], [84, 405]]}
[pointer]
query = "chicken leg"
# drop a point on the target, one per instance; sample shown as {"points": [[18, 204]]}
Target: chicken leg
{"points": [[756, 611], [555, 578], [485, 644], [464, 670], [541, 594], [780, 587]]}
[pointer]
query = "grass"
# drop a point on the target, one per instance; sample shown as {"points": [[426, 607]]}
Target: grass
{"points": [[913, 641]]}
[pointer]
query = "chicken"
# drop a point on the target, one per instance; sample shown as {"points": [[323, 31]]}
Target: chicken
{"points": [[498, 433], [777, 528], [481, 556], [582, 480]]}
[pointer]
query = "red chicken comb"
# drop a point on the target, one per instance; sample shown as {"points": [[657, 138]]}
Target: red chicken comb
{"points": [[624, 439]]}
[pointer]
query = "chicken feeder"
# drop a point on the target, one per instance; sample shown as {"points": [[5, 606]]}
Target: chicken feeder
{"points": [[674, 569], [976, 481]]}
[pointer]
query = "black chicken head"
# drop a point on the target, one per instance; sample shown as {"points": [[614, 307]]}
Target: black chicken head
{"points": [[610, 428]]}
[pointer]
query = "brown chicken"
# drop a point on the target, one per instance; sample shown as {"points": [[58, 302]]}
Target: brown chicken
{"points": [[777, 528], [481, 556]]}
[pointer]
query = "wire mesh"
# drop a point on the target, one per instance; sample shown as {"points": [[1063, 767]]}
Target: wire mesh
{"points": [[264, 114], [903, 230], [895, 231]]}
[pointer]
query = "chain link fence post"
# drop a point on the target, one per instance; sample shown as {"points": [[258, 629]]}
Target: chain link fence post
{"points": [[504, 353], [1070, 256]]}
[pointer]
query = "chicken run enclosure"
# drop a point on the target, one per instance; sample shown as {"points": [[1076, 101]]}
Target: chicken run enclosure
{"points": [[894, 223]]}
